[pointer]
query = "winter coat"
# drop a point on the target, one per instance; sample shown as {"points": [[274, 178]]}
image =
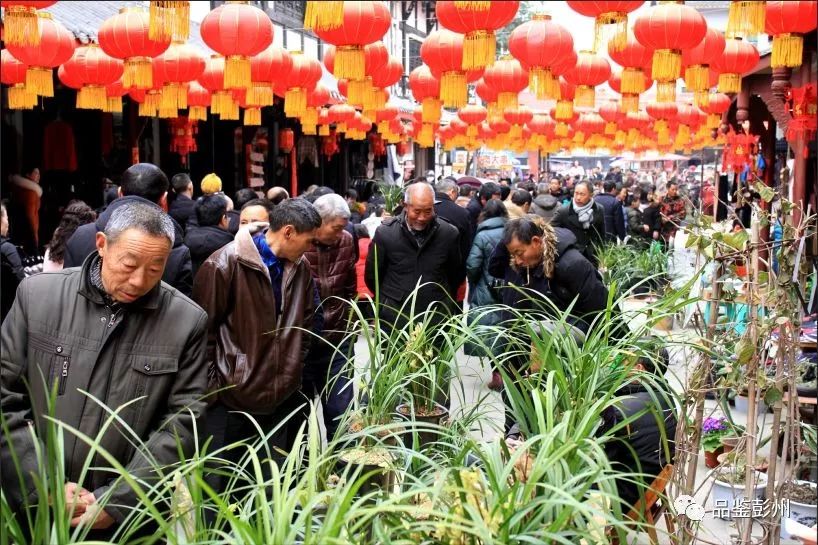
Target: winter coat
{"points": [[400, 262], [447, 209], [545, 206], [253, 351], [651, 217], [12, 274], [489, 234], [178, 271], [333, 270], [574, 278], [614, 217], [474, 208], [203, 241], [148, 355], [24, 212], [182, 209], [586, 239], [636, 222]]}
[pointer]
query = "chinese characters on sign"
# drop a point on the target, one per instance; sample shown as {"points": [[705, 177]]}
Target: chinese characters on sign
{"points": [[751, 508]]}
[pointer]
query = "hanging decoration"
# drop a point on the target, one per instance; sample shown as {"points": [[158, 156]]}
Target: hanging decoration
{"points": [[803, 105], [114, 93], [175, 68], [606, 14], [20, 21], [717, 106], [508, 78], [183, 132], [271, 65], [787, 22], [13, 73], [238, 31], [442, 51], [198, 101], [126, 36], [745, 18], [541, 44], [54, 47], [323, 14], [303, 77], [591, 70], [478, 26], [738, 57], [425, 89], [739, 150], [697, 62], [364, 22], [95, 69], [169, 20]]}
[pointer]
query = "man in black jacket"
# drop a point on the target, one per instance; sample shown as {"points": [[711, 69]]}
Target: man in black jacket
{"points": [[414, 247], [489, 190], [144, 183], [614, 216], [211, 233], [585, 218], [445, 208], [183, 206]]}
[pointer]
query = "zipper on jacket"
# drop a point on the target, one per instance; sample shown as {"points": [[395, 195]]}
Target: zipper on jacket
{"points": [[66, 363]]}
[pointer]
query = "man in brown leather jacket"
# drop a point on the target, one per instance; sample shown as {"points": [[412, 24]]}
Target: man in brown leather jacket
{"points": [[333, 268], [258, 293]]}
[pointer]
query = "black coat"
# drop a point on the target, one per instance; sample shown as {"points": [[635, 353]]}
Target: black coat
{"points": [[574, 278], [12, 274], [400, 262], [652, 218], [182, 209], [203, 241], [586, 239], [643, 435], [458, 216], [614, 217], [474, 208], [82, 243]]}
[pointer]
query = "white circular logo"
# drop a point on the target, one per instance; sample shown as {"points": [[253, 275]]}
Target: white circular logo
{"points": [[695, 512], [682, 502]]}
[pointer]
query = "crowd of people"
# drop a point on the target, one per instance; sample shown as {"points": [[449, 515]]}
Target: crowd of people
{"points": [[186, 308]]}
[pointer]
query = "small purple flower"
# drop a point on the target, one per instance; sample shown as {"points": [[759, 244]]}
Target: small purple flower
{"points": [[712, 425]]}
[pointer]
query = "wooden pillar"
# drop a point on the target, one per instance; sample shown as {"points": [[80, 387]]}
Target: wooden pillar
{"points": [[743, 106]]}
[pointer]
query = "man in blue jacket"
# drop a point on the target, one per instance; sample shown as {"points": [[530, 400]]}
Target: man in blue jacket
{"points": [[614, 215]]}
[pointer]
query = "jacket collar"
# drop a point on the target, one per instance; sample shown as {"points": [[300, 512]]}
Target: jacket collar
{"points": [[247, 253], [149, 301], [25, 183]]}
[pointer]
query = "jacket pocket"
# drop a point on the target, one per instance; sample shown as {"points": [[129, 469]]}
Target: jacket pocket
{"points": [[53, 357], [240, 371], [151, 376]]}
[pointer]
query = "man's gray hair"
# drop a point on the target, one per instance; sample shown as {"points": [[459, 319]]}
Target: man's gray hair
{"points": [[332, 206], [147, 218], [445, 186], [414, 188]]}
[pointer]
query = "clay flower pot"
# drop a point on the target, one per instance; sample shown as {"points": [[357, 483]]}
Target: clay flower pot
{"points": [[711, 457]]}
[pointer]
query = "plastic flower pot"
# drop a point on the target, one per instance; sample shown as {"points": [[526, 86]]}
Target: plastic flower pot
{"points": [[711, 457], [803, 513], [727, 495], [425, 434]]}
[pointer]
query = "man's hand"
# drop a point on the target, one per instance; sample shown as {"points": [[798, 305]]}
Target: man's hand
{"points": [[74, 502], [94, 515]]}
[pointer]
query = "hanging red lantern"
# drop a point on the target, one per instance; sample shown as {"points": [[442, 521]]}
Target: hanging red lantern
{"points": [[609, 111], [286, 141], [480, 44], [604, 14], [564, 108], [745, 18], [221, 99], [542, 124], [303, 77], [697, 60], [442, 51], [13, 73], [376, 57], [739, 57], [170, 19], [662, 113], [126, 36], [342, 115], [20, 22], [591, 70], [329, 144], [183, 141], [633, 57], [198, 100], [668, 29], [517, 117], [376, 145], [508, 78], [384, 116], [539, 44], [95, 69], [803, 105], [787, 22], [114, 93], [472, 115], [717, 106], [176, 67], [271, 65], [364, 22], [426, 90], [54, 47], [69, 79], [238, 31]]}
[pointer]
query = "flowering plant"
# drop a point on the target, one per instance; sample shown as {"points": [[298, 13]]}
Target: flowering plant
{"points": [[713, 429]]}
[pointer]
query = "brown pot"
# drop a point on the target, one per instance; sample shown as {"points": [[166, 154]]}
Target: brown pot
{"points": [[711, 457], [729, 443]]}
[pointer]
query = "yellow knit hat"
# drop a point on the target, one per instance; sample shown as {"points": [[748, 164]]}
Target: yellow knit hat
{"points": [[211, 184]]}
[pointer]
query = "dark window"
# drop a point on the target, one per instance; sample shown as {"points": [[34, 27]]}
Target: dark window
{"points": [[289, 13]]}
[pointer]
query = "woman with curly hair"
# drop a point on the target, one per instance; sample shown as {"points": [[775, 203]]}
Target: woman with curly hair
{"points": [[76, 213]]}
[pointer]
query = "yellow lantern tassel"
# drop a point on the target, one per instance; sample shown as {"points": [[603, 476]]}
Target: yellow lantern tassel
{"points": [[40, 81], [561, 130], [383, 127], [373, 99], [564, 109], [702, 99], [21, 26], [369, 114], [473, 5], [667, 64], [620, 137], [666, 91], [174, 95], [357, 91], [610, 127], [168, 113], [471, 131], [310, 117], [252, 116], [260, 94], [479, 50], [713, 121], [746, 18], [145, 110], [20, 98], [630, 104], [237, 72], [309, 130], [92, 97], [341, 127], [232, 113], [295, 102], [662, 132], [169, 20], [729, 83], [697, 77], [350, 62], [515, 132], [788, 51], [585, 97], [542, 83], [323, 130], [113, 105], [430, 112], [197, 113], [633, 81], [138, 73], [506, 101], [453, 89], [683, 135], [324, 15], [620, 34]]}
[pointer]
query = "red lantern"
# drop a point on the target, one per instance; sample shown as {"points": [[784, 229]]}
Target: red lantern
{"points": [[237, 31], [542, 124], [303, 77], [663, 113], [68, 79], [286, 140], [384, 116], [13, 73], [329, 144], [633, 57], [376, 145], [20, 22], [607, 13], [126, 36], [803, 103], [472, 115], [697, 60], [738, 58], [668, 29], [54, 47], [539, 44], [426, 90], [271, 65], [114, 93], [198, 100], [591, 70], [717, 106], [442, 51], [221, 100], [183, 141], [517, 117], [609, 111], [787, 22], [508, 78], [364, 22], [176, 67], [479, 26], [95, 69]]}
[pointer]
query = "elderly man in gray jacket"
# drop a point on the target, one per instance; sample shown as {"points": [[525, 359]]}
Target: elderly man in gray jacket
{"points": [[112, 329]]}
